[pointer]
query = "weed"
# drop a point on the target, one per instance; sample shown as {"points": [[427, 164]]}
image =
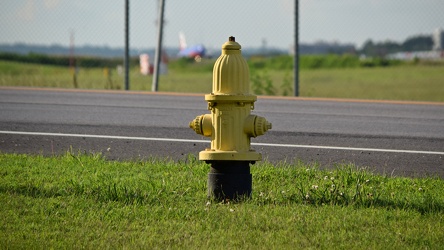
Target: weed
{"points": [[262, 83]]}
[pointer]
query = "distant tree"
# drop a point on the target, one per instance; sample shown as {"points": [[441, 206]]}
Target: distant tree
{"points": [[380, 49], [368, 48], [418, 43], [391, 47]]}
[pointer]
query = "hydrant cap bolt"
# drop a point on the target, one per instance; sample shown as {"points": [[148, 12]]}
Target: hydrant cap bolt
{"points": [[231, 44]]}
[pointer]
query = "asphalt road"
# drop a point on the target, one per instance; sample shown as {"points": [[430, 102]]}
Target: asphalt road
{"points": [[402, 139]]}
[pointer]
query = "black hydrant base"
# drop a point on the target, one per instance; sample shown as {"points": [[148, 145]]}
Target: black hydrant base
{"points": [[229, 180]]}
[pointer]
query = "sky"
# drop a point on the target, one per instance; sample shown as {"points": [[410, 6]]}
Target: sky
{"points": [[254, 23]]}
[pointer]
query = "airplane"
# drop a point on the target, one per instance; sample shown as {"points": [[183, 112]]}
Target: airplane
{"points": [[196, 51]]}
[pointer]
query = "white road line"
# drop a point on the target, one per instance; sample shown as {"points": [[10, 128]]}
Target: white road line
{"points": [[101, 136], [352, 149], [205, 141]]}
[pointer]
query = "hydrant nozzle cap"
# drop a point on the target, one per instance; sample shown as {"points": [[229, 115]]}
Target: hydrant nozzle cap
{"points": [[231, 44]]}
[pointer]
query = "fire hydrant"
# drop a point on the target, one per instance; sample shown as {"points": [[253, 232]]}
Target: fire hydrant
{"points": [[230, 126]]}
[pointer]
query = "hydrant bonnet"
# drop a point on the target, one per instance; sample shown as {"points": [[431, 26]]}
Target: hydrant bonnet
{"points": [[230, 72]]}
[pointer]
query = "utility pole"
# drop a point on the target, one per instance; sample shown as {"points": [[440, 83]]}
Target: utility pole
{"points": [[296, 48], [155, 84], [126, 57]]}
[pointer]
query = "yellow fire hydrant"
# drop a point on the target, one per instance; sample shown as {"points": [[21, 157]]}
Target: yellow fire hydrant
{"points": [[230, 126]]}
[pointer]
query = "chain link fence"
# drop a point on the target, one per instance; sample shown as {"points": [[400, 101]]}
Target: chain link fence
{"points": [[262, 27]]}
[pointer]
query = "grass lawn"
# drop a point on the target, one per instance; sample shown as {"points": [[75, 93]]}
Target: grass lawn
{"points": [[85, 201], [409, 82], [406, 82]]}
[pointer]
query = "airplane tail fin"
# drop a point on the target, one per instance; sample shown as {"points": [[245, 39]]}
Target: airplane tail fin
{"points": [[182, 41]]}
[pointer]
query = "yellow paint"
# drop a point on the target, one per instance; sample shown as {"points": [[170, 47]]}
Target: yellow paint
{"points": [[230, 124]]}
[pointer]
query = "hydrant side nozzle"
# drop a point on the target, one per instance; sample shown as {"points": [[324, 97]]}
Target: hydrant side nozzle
{"points": [[202, 125], [256, 125], [261, 125], [195, 125], [249, 125], [207, 125]]}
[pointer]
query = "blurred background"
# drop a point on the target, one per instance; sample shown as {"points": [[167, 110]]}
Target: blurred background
{"points": [[334, 37]]}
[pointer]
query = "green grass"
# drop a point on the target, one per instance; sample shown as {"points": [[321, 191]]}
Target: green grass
{"points": [[34, 75], [404, 82], [85, 201], [408, 82]]}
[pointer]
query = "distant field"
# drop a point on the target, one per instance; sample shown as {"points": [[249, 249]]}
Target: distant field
{"points": [[419, 83], [403, 82]]}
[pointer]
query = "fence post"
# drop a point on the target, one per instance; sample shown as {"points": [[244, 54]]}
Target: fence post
{"points": [[154, 87], [296, 48], [126, 59]]}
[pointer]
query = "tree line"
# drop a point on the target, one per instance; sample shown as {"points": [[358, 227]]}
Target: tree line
{"points": [[381, 49], [78, 61], [375, 53]]}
